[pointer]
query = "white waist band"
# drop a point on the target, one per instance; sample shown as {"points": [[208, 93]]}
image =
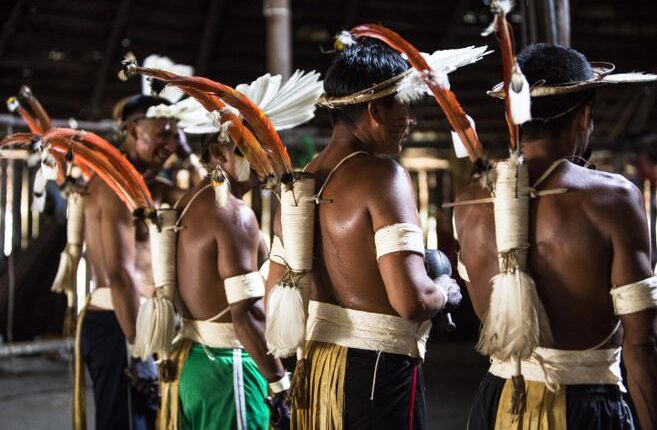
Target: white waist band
{"points": [[212, 334], [101, 298], [558, 367], [365, 330]]}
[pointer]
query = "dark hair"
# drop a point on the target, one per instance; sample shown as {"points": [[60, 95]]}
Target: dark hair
{"points": [[366, 63], [554, 64], [139, 104]]}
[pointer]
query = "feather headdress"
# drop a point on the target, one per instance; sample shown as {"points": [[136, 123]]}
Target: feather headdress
{"points": [[434, 81]]}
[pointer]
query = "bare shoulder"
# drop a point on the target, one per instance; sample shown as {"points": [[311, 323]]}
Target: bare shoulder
{"points": [[379, 176], [101, 196], [463, 214], [237, 221], [605, 190]]}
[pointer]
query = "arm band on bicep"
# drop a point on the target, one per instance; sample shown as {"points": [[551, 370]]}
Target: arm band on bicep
{"points": [[244, 287], [635, 297], [277, 252], [399, 237]]}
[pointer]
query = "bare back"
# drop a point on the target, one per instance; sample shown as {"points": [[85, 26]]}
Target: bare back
{"points": [[215, 244], [346, 271], [576, 250], [102, 204]]}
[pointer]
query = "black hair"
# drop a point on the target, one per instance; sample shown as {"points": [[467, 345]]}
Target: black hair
{"points": [[553, 65], [366, 63], [139, 104]]}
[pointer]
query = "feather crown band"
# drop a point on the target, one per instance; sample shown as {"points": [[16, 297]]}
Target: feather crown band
{"points": [[408, 86], [602, 76]]}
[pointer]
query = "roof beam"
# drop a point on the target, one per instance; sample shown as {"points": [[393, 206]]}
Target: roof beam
{"points": [[120, 20], [9, 29], [215, 13]]}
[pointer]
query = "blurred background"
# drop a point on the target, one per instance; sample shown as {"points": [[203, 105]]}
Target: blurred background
{"points": [[69, 51]]}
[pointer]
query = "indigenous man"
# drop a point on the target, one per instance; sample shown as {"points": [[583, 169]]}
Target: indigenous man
{"points": [[108, 325], [589, 257], [224, 379], [371, 299]]}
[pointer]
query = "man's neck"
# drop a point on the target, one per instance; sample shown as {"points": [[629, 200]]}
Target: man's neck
{"points": [[540, 154], [130, 153], [346, 139]]}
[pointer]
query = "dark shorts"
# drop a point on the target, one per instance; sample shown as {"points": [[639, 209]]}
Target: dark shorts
{"points": [[104, 351], [399, 392], [588, 407]]}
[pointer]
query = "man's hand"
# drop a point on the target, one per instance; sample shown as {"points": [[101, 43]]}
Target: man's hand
{"points": [[452, 291], [143, 376], [440, 270], [279, 412]]}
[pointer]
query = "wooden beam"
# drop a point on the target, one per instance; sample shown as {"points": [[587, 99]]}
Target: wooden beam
{"points": [[120, 20], [9, 29], [279, 37], [212, 22]]}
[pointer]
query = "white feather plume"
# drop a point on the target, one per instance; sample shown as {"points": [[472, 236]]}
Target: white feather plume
{"points": [[519, 97], [459, 147], [442, 62], [286, 321], [637, 77], [155, 61], [39, 192], [289, 104]]}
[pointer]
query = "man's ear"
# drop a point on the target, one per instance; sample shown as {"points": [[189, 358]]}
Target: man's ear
{"points": [[375, 111], [131, 129]]}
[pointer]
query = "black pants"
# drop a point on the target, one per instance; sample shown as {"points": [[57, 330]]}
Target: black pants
{"points": [[588, 407], [399, 392], [103, 347]]}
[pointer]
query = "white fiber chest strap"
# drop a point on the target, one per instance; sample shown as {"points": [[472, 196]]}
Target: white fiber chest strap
{"points": [[277, 253], [399, 237], [242, 287], [101, 298], [460, 267], [635, 297], [555, 367], [366, 330], [212, 334]]}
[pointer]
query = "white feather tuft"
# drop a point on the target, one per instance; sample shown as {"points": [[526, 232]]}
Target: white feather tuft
{"points": [[155, 328], [242, 169], [519, 97], [343, 40], [39, 192], [221, 193], [289, 104], [155, 61], [459, 147], [412, 87], [286, 321], [516, 322], [13, 104], [636, 77]]}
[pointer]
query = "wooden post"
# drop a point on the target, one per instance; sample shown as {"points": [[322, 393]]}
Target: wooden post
{"points": [[548, 21], [279, 37]]}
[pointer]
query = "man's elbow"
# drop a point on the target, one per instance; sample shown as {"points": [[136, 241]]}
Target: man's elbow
{"points": [[416, 312]]}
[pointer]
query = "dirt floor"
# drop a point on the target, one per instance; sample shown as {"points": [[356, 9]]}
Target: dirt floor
{"points": [[35, 392]]}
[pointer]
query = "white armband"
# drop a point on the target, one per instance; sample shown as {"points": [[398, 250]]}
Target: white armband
{"points": [[635, 297], [281, 385], [399, 237], [242, 287], [277, 253]]}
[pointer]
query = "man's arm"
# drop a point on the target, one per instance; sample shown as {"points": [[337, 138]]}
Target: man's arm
{"points": [[238, 248], [412, 294], [631, 263], [118, 244]]}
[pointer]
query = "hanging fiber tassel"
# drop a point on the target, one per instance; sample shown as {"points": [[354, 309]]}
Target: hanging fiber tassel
{"points": [[519, 97], [516, 322], [221, 187], [156, 320], [288, 312], [66, 277]]}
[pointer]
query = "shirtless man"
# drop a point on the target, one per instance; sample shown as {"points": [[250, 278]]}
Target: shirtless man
{"points": [[221, 290], [111, 239], [584, 243], [368, 376]]}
